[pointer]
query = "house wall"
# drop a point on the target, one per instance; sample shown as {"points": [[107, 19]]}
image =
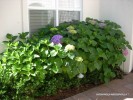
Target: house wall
{"points": [[91, 9], [121, 12], [10, 18]]}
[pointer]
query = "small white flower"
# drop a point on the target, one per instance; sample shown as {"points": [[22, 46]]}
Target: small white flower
{"points": [[69, 47], [36, 56], [51, 44], [80, 75], [79, 59], [33, 64], [44, 67], [3, 64]]}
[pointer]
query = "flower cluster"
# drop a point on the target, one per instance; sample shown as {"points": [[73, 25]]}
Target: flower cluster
{"points": [[56, 39], [79, 59], [93, 22], [125, 52], [69, 47], [80, 75], [71, 30]]}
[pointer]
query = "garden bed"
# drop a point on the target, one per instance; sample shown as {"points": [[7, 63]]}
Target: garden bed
{"points": [[62, 94], [62, 57]]}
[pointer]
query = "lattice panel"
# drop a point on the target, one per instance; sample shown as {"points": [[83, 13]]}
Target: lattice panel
{"points": [[40, 18], [70, 4], [67, 16]]}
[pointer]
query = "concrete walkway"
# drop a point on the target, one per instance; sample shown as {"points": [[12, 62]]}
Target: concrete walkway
{"points": [[119, 89]]}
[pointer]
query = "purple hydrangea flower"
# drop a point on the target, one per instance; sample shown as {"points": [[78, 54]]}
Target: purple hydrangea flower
{"points": [[56, 39]]}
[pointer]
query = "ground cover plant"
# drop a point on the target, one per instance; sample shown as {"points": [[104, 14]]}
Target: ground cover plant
{"points": [[61, 57]]}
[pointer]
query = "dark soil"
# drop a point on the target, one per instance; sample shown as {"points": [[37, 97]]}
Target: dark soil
{"points": [[62, 94]]}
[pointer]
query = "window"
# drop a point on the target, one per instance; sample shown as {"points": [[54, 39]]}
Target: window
{"points": [[43, 12]]}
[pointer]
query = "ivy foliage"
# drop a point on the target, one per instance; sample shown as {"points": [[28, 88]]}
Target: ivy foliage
{"points": [[32, 64]]}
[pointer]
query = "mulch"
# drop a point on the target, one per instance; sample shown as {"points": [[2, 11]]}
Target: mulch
{"points": [[62, 94]]}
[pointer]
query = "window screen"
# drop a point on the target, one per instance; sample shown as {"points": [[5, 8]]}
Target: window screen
{"points": [[67, 16], [40, 18], [43, 12], [70, 4]]}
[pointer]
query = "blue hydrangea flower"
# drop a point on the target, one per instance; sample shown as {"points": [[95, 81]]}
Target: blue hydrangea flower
{"points": [[56, 39]]}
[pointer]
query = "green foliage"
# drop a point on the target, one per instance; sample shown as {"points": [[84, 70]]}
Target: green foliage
{"points": [[34, 66]]}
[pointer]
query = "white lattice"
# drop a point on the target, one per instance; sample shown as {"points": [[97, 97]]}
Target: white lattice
{"points": [[70, 4]]}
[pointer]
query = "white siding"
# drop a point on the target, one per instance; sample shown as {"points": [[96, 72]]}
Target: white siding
{"points": [[91, 8], [120, 11], [10, 18]]}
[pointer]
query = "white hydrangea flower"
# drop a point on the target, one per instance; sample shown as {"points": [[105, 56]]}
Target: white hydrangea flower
{"points": [[36, 56], [44, 67], [79, 59], [69, 47], [80, 75]]}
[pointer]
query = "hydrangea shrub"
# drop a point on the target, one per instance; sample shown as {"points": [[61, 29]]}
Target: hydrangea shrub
{"points": [[61, 57]]}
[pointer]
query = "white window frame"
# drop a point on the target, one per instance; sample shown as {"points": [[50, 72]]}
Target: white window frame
{"points": [[26, 8], [25, 15]]}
